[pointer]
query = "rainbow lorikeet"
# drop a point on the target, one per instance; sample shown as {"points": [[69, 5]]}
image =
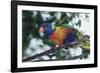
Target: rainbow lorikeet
{"points": [[59, 35]]}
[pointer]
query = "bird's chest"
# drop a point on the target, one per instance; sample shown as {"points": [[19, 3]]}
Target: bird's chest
{"points": [[59, 35]]}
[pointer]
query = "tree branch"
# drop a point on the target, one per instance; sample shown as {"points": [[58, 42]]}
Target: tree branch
{"points": [[41, 54]]}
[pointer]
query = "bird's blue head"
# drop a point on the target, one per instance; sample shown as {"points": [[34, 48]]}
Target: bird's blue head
{"points": [[46, 28]]}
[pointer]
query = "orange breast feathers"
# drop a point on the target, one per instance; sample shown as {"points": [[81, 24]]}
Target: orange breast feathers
{"points": [[59, 35]]}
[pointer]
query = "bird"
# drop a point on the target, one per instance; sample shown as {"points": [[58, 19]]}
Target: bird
{"points": [[59, 35]]}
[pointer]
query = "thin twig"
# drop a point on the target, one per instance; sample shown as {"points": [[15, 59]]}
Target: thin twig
{"points": [[41, 54]]}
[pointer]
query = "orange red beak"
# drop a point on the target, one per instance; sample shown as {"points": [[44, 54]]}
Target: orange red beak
{"points": [[41, 29]]}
